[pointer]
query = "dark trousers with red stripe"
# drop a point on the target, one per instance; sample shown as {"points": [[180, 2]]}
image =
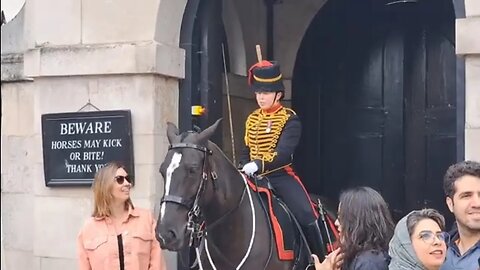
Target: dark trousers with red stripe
{"points": [[290, 189]]}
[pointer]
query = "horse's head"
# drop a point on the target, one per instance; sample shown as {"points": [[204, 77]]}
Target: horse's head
{"points": [[185, 171]]}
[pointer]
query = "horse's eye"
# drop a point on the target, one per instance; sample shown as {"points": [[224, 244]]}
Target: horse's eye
{"points": [[192, 170]]}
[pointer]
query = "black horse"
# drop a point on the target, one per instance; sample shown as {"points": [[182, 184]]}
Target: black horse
{"points": [[202, 185]]}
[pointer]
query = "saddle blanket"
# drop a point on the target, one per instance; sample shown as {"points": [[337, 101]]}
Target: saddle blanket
{"points": [[284, 230], [286, 233]]}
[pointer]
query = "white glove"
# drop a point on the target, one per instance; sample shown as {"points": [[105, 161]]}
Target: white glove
{"points": [[250, 168]]}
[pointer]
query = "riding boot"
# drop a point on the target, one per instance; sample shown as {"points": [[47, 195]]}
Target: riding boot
{"points": [[315, 240]]}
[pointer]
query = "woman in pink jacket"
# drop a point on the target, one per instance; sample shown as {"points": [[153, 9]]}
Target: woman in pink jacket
{"points": [[118, 236]]}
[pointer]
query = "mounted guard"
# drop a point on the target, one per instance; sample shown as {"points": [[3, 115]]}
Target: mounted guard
{"points": [[208, 204], [272, 132]]}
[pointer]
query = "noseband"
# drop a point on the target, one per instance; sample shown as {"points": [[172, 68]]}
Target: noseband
{"points": [[194, 224]]}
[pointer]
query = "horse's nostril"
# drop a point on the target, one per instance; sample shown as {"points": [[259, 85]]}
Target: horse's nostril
{"points": [[167, 236]]}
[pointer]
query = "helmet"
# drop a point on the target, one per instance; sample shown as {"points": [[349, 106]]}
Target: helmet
{"points": [[265, 76]]}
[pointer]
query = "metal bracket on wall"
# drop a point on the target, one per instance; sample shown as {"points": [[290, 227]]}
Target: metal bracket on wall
{"points": [[88, 104]]}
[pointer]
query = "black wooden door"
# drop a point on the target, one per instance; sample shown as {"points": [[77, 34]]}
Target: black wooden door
{"points": [[430, 107], [375, 89], [201, 36]]}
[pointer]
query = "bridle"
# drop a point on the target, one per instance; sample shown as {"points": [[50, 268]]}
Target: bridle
{"points": [[195, 222]]}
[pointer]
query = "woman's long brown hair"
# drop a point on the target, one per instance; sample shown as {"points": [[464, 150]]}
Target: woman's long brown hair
{"points": [[102, 190], [366, 223]]}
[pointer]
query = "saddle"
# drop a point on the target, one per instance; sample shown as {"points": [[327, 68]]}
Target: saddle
{"points": [[280, 219], [287, 232]]}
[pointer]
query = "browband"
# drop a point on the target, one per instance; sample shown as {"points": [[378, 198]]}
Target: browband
{"points": [[190, 145]]}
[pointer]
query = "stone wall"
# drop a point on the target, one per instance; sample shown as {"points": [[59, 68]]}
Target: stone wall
{"points": [[40, 223], [110, 54], [468, 46]]}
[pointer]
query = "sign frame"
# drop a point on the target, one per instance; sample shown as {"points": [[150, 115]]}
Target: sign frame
{"points": [[52, 125]]}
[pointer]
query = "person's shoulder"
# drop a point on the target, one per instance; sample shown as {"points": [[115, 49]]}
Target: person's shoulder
{"points": [[372, 260], [92, 222], [253, 115], [290, 111], [462, 262], [143, 213], [91, 226], [292, 116], [255, 112], [453, 236]]}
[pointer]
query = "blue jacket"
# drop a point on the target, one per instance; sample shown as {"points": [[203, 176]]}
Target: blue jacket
{"points": [[470, 260]]}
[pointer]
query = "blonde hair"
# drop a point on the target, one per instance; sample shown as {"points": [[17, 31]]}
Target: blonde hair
{"points": [[102, 190]]}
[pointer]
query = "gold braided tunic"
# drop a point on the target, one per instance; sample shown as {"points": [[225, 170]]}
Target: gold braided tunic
{"points": [[270, 141], [262, 134]]}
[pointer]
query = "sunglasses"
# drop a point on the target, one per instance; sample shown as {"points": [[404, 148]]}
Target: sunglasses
{"points": [[120, 179]]}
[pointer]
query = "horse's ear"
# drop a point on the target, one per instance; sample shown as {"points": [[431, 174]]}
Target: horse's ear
{"points": [[208, 132], [172, 132]]}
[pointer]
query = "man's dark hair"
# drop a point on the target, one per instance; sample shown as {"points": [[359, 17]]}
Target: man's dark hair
{"points": [[456, 171]]}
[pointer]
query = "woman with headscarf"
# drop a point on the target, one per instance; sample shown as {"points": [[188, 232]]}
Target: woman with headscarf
{"points": [[419, 241]]}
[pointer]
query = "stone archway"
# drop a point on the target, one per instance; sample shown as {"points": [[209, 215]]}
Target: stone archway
{"points": [[168, 21]]}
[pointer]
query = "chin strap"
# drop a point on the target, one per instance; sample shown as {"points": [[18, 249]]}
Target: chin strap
{"points": [[274, 101]]}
